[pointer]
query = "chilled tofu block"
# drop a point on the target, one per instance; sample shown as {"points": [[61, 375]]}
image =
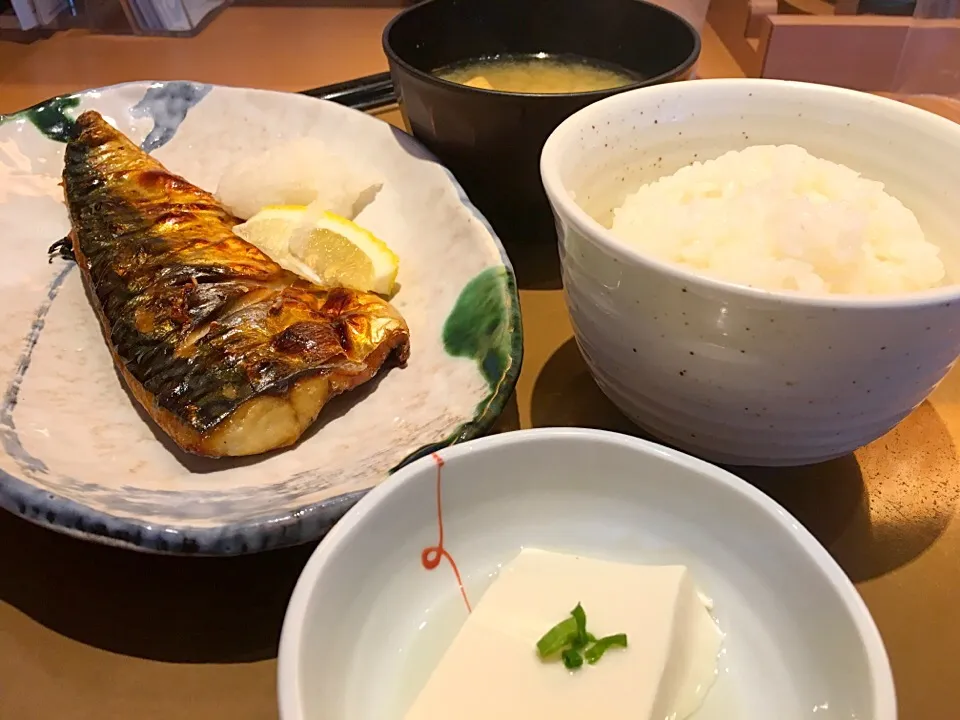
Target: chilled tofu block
{"points": [[492, 670]]}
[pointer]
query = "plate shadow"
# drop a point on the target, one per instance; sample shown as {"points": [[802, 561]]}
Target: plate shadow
{"points": [[509, 419], [170, 609]]}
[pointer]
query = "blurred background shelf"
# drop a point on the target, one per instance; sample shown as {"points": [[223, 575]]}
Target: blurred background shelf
{"points": [[863, 44], [28, 20], [281, 48], [166, 18]]}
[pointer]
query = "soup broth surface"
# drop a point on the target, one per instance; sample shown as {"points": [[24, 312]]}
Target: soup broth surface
{"points": [[540, 73]]}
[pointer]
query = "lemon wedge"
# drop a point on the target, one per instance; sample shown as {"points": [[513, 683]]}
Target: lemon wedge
{"points": [[344, 254], [270, 231], [323, 247]]}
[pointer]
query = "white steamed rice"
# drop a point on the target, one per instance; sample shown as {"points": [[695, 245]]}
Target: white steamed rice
{"points": [[778, 218]]}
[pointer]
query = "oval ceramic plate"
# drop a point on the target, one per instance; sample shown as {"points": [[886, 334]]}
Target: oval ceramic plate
{"points": [[79, 455]]}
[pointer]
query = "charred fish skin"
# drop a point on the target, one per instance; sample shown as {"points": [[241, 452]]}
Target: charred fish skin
{"points": [[228, 352]]}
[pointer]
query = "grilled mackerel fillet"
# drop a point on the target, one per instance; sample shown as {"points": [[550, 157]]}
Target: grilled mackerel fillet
{"points": [[229, 353]]}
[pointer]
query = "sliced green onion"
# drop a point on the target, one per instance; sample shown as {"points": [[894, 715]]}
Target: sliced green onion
{"points": [[581, 619], [557, 638], [571, 639], [571, 659], [579, 643], [596, 651]]}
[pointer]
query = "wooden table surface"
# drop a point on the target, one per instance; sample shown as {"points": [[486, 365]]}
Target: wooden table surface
{"points": [[89, 632]]}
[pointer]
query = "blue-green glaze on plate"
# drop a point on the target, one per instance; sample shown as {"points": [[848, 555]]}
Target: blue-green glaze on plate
{"points": [[55, 118], [484, 326], [78, 456], [480, 325]]}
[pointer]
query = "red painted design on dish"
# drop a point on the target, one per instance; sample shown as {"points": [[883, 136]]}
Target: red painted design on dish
{"points": [[431, 556]]}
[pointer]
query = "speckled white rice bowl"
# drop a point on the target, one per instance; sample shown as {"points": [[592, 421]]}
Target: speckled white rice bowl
{"points": [[733, 373]]}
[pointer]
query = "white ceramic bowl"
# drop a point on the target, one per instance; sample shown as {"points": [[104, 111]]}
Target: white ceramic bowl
{"points": [[367, 623], [733, 374]]}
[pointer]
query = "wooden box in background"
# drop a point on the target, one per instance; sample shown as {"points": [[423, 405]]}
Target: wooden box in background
{"points": [[910, 48]]}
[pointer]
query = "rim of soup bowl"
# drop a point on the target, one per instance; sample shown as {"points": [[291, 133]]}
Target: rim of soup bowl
{"points": [[564, 204], [289, 686], [429, 77]]}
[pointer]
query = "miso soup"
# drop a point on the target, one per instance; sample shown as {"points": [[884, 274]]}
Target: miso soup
{"points": [[540, 73]]}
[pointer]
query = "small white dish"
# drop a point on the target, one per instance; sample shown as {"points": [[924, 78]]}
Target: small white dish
{"points": [[368, 622], [734, 374]]}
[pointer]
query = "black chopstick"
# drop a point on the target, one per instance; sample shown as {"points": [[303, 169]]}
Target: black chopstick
{"points": [[364, 93]]}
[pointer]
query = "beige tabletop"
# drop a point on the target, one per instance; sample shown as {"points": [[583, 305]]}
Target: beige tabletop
{"points": [[89, 632]]}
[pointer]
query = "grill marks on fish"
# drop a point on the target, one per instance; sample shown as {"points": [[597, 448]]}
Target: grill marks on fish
{"points": [[217, 341]]}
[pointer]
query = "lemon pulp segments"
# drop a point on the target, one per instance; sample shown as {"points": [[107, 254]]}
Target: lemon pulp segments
{"points": [[324, 248]]}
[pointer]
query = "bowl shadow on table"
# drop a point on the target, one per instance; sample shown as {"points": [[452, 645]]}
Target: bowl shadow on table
{"points": [[875, 511], [533, 253]]}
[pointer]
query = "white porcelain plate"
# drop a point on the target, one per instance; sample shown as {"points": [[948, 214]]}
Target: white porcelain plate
{"points": [[77, 453]]}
